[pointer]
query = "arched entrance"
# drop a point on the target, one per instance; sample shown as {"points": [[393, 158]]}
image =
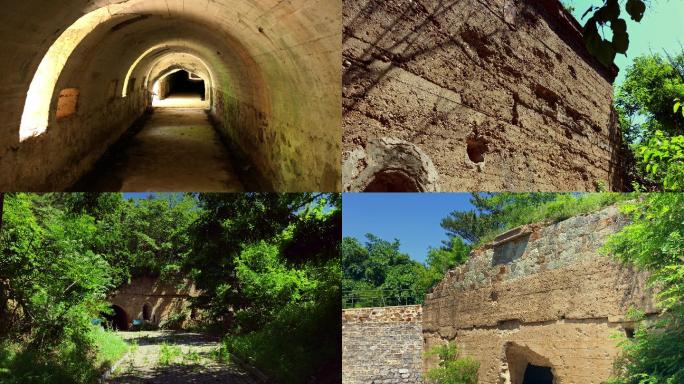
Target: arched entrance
{"points": [[535, 374], [146, 312], [118, 319]]}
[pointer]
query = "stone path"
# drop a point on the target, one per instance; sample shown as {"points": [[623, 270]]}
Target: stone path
{"points": [[177, 150], [167, 357]]}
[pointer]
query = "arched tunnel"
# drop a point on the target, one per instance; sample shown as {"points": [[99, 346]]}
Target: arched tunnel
{"points": [[79, 75]]}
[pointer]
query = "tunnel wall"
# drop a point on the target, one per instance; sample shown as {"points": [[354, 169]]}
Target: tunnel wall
{"points": [[165, 299], [295, 131], [509, 81], [541, 295], [275, 74], [382, 345]]}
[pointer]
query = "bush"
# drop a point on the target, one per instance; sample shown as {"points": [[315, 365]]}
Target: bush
{"points": [[74, 360], [453, 369]]}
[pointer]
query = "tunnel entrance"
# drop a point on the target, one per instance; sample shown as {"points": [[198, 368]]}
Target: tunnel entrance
{"points": [[392, 181], [186, 84], [118, 320], [535, 374]]}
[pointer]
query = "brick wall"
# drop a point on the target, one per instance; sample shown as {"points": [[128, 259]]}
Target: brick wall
{"points": [[382, 345]]}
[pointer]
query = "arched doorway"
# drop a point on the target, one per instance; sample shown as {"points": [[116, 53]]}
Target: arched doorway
{"points": [[535, 374], [146, 312], [118, 319]]}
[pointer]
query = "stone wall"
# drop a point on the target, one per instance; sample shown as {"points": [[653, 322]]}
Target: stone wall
{"points": [[163, 299], [540, 295], [382, 345], [473, 95]]}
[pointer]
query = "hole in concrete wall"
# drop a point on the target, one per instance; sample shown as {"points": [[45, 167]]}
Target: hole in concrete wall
{"points": [[629, 332], [118, 320], [476, 148], [66, 104], [535, 374], [146, 311], [392, 181]]}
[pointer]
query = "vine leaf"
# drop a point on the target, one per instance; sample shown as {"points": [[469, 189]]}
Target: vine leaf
{"points": [[636, 9]]}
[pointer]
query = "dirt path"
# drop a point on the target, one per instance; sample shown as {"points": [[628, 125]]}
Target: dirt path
{"points": [[177, 150], [167, 357]]}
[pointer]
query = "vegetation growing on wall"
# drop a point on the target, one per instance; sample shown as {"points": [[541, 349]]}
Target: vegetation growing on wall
{"points": [[453, 368], [654, 241], [377, 273], [267, 265]]}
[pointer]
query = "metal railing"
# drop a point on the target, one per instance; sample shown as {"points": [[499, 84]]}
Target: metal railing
{"points": [[380, 298]]}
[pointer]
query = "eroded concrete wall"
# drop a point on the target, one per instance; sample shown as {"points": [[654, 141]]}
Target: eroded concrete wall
{"points": [[382, 345], [163, 298], [540, 295], [500, 95]]}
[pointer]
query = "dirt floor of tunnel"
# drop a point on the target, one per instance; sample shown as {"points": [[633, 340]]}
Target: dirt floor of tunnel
{"points": [[149, 361], [177, 149]]}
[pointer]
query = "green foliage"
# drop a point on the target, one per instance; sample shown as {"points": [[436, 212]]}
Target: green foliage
{"points": [[262, 261], [377, 273], [662, 158], [608, 14], [168, 354], [654, 241], [174, 321], [678, 106], [644, 103], [269, 267], [645, 97], [495, 213], [453, 369], [70, 362]]}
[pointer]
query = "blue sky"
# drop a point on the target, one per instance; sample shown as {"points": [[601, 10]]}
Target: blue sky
{"points": [[661, 29], [413, 218]]}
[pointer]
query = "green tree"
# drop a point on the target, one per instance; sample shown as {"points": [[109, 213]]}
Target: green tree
{"points": [[646, 97], [655, 131], [654, 241], [492, 212]]}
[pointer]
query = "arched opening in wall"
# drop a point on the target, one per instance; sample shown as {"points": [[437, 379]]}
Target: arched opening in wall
{"points": [[525, 366], [146, 312], [392, 181], [118, 319], [180, 89], [535, 374]]}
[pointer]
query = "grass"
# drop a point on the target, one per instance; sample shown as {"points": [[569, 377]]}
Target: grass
{"points": [[74, 360], [168, 354], [564, 207], [110, 347]]}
